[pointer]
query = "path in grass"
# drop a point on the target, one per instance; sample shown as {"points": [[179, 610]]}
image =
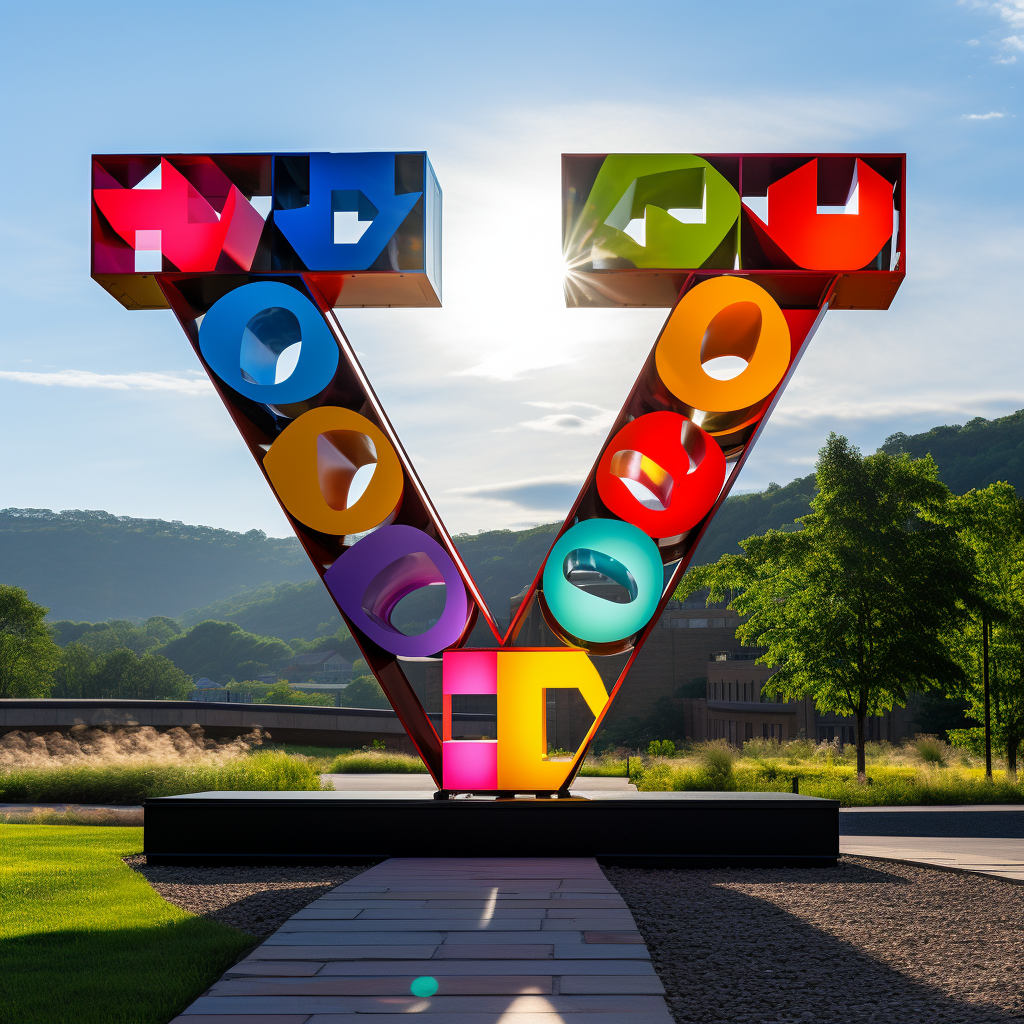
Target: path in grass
{"points": [[85, 940]]}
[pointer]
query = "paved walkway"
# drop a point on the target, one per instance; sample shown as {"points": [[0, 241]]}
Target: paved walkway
{"points": [[1002, 858], [983, 838], [515, 941]]}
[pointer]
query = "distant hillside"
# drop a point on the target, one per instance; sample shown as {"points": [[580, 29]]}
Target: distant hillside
{"points": [[747, 514], [95, 566], [284, 610], [975, 455], [502, 563]]}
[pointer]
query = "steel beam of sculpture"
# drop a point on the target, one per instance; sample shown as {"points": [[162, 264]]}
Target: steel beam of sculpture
{"points": [[254, 252]]}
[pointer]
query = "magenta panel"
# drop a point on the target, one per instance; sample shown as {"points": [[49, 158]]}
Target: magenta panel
{"points": [[469, 672]]}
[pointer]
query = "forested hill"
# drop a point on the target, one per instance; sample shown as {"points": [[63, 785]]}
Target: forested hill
{"points": [[502, 563], [96, 566], [975, 455], [743, 515]]}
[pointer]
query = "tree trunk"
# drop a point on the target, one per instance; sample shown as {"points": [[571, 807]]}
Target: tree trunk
{"points": [[988, 710], [862, 772], [1011, 757]]}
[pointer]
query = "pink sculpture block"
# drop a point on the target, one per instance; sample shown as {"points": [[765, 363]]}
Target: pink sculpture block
{"points": [[469, 672], [469, 764]]}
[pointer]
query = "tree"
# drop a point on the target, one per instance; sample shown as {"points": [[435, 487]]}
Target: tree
{"points": [[364, 692], [126, 676], [991, 645], [217, 649], [282, 693], [119, 634], [853, 608], [104, 637], [27, 651], [73, 675]]}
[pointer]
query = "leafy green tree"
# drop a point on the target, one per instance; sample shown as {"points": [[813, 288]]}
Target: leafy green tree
{"points": [[73, 676], [217, 649], [853, 609], [253, 687], [161, 627], [282, 693], [364, 692], [125, 675], [28, 654], [104, 637], [990, 646], [119, 634]]}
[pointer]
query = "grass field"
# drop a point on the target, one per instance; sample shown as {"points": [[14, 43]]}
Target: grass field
{"points": [[85, 940]]}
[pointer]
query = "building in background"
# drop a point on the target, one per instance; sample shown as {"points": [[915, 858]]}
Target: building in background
{"points": [[322, 667]]}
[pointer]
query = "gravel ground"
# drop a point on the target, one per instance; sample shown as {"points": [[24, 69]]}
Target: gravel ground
{"points": [[866, 941], [257, 900]]}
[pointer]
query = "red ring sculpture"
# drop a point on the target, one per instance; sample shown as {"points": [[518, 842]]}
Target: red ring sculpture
{"points": [[680, 464]]}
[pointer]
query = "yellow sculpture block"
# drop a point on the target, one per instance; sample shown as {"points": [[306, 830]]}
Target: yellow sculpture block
{"points": [[524, 677]]}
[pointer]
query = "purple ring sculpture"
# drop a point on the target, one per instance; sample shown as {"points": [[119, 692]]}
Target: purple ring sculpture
{"points": [[373, 575]]}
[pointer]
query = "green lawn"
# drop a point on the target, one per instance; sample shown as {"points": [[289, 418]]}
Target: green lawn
{"points": [[85, 940]]}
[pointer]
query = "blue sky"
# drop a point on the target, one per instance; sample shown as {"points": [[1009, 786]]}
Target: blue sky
{"points": [[503, 396]]}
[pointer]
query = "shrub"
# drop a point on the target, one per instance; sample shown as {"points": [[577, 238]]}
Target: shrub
{"points": [[931, 750], [378, 762], [661, 748], [607, 766]]}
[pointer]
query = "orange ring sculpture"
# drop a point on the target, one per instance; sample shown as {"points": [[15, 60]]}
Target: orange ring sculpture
{"points": [[314, 460], [726, 316]]}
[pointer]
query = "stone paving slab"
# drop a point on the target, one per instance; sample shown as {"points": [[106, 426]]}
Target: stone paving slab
{"points": [[439, 969], [393, 985], [352, 952], [431, 923], [659, 1017], [231, 1004], [358, 950], [245, 1018], [334, 938]]}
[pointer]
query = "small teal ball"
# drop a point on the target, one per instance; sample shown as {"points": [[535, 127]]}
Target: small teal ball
{"points": [[423, 987]]}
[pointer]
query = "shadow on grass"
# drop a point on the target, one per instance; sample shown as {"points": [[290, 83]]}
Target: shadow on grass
{"points": [[141, 975]]}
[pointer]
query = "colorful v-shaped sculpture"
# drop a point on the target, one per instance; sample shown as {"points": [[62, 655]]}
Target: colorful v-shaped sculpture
{"points": [[258, 250]]}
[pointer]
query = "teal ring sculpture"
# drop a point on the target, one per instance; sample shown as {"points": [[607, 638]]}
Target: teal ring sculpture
{"points": [[621, 552], [251, 326]]}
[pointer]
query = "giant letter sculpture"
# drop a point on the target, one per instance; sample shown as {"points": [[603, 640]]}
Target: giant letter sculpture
{"points": [[253, 253]]}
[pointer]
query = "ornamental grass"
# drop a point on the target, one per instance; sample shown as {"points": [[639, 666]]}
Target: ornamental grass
{"points": [[127, 765], [896, 776], [133, 783], [377, 762]]}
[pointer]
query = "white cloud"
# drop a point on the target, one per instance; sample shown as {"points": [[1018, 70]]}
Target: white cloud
{"points": [[984, 117], [191, 384], [835, 403], [1012, 13], [591, 419], [543, 493]]}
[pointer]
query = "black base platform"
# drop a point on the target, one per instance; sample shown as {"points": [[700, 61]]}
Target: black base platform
{"points": [[653, 829]]}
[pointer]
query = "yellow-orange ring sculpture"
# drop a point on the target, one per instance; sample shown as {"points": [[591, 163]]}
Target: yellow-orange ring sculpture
{"points": [[715, 319], [313, 460]]}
